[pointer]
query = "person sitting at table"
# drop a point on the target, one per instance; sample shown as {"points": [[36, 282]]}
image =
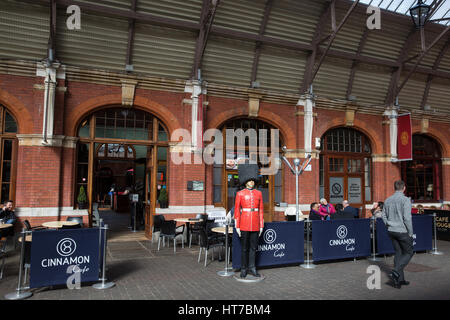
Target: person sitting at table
{"points": [[377, 209], [350, 209], [326, 209], [343, 214], [314, 212], [339, 207], [7, 215]]}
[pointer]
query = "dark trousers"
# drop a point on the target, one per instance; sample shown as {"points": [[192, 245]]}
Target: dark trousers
{"points": [[403, 246], [249, 241]]}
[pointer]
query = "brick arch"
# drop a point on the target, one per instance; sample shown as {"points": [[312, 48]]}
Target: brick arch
{"points": [[370, 133], [77, 114], [18, 111], [437, 136], [287, 134]]}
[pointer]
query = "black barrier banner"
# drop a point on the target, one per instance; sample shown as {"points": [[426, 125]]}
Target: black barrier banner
{"points": [[280, 243], [423, 235], [340, 239], [57, 255]]}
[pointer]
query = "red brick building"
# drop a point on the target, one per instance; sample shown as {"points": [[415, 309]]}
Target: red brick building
{"points": [[104, 108]]}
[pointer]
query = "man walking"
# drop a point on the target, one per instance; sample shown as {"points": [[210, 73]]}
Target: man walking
{"points": [[397, 217]]}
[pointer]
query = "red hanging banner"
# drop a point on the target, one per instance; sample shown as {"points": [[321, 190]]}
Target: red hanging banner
{"points": [[404, 137]]}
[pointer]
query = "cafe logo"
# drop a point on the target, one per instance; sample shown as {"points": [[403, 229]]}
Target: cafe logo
{"points": [[270, 236], [66, 247], [341, 232]]}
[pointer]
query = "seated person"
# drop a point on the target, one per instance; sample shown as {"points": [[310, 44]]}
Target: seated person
{"points": [[326, 209], [7, 215], [339, 207], [350, 209], [377, 209], [314, 213]]}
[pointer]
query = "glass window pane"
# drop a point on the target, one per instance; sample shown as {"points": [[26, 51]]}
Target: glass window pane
{"points": [[6, 174], [10, 123], [5, 192], [162, 134], [83, 152], [7, 151], [217, 194]]}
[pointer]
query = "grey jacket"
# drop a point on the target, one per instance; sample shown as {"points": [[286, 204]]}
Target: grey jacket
{"points": [[397, 213]]}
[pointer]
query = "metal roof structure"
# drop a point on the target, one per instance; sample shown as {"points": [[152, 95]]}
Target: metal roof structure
{"points": [[278, 47]]}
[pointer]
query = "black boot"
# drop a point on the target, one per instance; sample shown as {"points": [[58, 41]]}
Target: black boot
{"points": [[243, 273], [254, 272], [394, 276]]}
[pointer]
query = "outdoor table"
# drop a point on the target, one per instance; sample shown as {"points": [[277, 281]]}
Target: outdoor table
{"points": [[228, 271], [58, 224], [188, 222], [5, 226]]}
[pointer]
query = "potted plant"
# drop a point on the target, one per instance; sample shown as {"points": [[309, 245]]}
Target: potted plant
{"points": [[82, 199], [162, 199]]}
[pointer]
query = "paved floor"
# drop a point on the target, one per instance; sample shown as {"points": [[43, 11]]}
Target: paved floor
{"points": [[141, 272]]}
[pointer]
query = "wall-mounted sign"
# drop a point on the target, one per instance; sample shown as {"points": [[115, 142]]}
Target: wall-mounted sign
{"points": [[195, 185], [336, 189], [354, 190]]}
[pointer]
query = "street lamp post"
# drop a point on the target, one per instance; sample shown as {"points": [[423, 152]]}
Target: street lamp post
{"points": [[297, 172]]}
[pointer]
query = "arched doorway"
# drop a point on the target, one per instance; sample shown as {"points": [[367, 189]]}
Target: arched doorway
{"points": [[125, 149], [422, 175], [345, 167], [226, 178], [8, 154]]}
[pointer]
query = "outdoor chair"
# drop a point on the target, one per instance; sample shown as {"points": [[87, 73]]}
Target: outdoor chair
{"points": [[5, 235], [207, 243], [28, 226], [169, 231], [157, 221], [196, 227]]}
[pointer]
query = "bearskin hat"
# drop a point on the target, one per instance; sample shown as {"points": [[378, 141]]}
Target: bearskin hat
{"points": [[248, 172]]}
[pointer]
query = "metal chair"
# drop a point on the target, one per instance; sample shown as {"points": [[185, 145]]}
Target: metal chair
{"points": [[157, 221], [207, 243], [77, 219], [28, 226], [5, 234], [196, 227], [169, 230]]}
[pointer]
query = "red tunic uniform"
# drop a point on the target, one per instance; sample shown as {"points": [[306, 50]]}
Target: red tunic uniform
{"points": [[249, 210]]}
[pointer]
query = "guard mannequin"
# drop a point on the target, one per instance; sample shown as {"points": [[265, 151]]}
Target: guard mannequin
{"points": [[249, 216]]}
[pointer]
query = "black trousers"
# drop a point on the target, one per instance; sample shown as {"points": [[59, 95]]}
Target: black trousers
{"points": [[249, 242], [403, 246]]}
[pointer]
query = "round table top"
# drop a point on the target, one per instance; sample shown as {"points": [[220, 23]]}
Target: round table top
{"points": [[222, 230], [187, 220], [6, 225], [58, 224], [28, 238]]}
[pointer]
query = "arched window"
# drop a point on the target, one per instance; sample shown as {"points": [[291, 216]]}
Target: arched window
{"points": [[422, 175], [8, 143], [124, 147], [345, 167]]}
